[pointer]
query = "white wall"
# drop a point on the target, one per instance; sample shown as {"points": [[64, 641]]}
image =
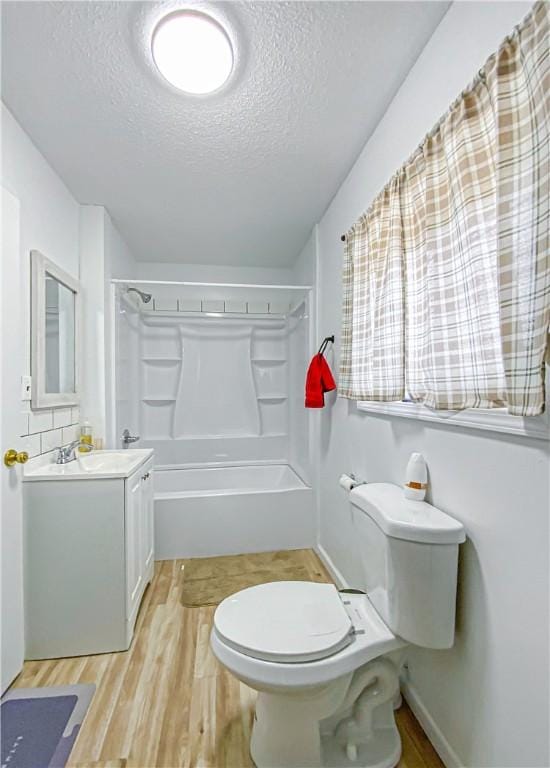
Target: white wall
{"points": [[49, 223], [119, 263], [486, 700], [120, 260], [304, 270], [104, 255], [213, 274], [93, 276], [305, 422], [82, 240], [49, 213]]}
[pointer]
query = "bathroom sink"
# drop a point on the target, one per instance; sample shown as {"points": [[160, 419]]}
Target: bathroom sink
{"points": [[89, 466], [110, 461]]}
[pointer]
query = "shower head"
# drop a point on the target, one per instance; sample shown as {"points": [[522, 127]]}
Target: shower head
{"points": [[145, 297]]}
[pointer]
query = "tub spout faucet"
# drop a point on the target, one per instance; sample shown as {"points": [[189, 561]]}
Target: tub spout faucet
{"points": [[127, 438], [66, 453]]}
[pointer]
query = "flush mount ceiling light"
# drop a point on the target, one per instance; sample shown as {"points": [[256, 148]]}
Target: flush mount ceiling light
{"points": [[192, 51]]}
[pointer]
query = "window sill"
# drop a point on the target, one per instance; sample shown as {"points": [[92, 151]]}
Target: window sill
{"points": [[493, 420]]}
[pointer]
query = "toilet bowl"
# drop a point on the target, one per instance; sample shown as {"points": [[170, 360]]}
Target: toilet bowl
{"points": [[326, 663], [311, 653]]}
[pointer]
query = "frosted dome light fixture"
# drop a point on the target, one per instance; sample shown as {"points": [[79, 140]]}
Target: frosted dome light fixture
{"points": [[192, 51]]}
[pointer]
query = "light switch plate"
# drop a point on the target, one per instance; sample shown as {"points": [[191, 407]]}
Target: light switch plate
{"points": [[26, 384]]}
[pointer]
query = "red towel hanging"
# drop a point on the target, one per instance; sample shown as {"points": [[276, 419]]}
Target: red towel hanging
{"points": [[319, 380]]}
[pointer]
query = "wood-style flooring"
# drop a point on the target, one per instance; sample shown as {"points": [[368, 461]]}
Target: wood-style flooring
{"points": [[166, 702]]}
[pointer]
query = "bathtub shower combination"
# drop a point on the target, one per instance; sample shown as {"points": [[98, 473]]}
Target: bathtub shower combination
{"points": [[212, 378]]}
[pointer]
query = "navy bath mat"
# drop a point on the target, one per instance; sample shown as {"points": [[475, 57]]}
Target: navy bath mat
{"points": [[39, 725]]}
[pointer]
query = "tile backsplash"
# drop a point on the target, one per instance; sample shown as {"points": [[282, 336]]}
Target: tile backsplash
{"points": [[44, 430]]}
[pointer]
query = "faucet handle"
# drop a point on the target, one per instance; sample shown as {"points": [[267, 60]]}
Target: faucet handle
{"points": [[66, 453], [127, 438]]}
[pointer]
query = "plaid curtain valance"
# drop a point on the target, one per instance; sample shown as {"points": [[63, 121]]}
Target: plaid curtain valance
{"points": [[446, 281]]}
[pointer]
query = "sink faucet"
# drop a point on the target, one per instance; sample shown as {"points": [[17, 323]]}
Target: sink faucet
{"points": [[67, 452], [127, 438]]}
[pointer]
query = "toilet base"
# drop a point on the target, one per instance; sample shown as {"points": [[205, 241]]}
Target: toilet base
{"points": [[382, 750], [349, 722]]}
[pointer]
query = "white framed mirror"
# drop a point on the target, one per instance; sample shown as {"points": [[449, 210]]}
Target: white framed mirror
{"points": [[55, 334]]}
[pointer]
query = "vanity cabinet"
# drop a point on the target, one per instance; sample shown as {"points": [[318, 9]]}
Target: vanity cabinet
{"points": [[88, 557], [138, 537]]}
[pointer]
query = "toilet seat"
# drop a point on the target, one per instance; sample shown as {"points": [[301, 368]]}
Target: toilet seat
{"points": [[369, 638], [285, 621]]}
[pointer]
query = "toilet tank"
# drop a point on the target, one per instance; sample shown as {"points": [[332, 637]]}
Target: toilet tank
{"points": [[409, 554]]}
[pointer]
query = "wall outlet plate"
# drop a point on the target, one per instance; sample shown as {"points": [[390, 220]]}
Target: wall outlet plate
{"points": [[26, 385]]}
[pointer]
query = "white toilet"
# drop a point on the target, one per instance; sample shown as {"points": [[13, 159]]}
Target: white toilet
{"points": [[326, 663]]}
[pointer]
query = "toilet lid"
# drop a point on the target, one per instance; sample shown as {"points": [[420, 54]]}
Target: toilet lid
{"points": [[286, 621]]}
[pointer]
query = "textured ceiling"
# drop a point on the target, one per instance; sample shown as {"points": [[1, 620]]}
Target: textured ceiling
{"points": [[236, 178]]}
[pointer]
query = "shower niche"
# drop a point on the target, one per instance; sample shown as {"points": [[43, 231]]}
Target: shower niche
{"points": [[160, 365], [214, 375]]}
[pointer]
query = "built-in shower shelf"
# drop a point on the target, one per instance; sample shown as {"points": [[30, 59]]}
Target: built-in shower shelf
{"points": [[269, 360], [272, 398], [158, 399], [158, 359]]}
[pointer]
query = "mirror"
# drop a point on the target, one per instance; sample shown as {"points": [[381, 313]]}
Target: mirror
{"points": [[59, 330], [55, 325]]}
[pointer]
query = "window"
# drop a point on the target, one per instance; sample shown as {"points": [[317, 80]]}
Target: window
{"points": [[447, 275]]}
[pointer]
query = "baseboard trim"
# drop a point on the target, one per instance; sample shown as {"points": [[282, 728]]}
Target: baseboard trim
{"points": [[339, 580], [431, 729]]}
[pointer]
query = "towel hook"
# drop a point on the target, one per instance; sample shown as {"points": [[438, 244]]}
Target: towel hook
{"points": [[325, 343]]}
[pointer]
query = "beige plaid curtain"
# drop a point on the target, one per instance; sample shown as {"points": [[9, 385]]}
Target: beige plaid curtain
{"points": [[447, 276], [374, 324]]}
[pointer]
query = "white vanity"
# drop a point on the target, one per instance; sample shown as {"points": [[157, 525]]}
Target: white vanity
{"points": [[89, 552]]}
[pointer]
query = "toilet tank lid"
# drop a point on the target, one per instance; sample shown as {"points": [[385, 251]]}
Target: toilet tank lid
{"points": [[402, 518]]}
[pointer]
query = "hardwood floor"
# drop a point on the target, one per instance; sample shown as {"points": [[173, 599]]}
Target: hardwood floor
{"points": [[166, 702]]}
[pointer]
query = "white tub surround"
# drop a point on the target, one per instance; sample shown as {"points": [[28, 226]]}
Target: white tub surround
{"points": [[231, 510], [88, 552], [212, 377], [213, 385]]}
